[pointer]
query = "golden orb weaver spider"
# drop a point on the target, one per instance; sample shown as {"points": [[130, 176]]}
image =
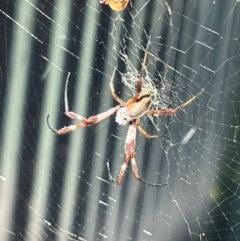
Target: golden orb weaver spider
{"points": [[126, 112]]}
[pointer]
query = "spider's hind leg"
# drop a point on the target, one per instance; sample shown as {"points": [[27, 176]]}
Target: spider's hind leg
{"points": [[136, 174], [145, 133]]}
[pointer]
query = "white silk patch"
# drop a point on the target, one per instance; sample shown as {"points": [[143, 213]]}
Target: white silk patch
{"points": [[122, 118]]}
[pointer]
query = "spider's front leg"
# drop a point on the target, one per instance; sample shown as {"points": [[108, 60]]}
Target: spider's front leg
{"points": [[85, 122]]}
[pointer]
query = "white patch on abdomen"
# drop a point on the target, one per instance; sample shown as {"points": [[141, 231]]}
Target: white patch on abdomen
{"points": [[122, 118]]}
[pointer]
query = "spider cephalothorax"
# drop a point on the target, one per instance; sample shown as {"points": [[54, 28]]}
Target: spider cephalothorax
{"points": [[126, 112]]}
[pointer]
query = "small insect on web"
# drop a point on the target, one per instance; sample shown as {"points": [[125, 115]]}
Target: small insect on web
{"points": [[117, 5], [126, 112]]}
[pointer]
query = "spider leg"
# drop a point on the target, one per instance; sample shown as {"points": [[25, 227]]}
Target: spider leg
{"points": [[145, 133], [139, 83], [136, 174], [68, 113], [113, 90], [129, 150], [85, 122], [174, 111], [130, 154]]}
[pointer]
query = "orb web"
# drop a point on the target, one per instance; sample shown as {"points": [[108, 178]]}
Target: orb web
{"points": [[57, 187]]}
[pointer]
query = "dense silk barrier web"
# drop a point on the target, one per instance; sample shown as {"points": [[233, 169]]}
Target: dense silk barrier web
{"points": [[57, 187]]}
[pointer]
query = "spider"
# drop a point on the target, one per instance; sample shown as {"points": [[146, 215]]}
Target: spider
{"points": [[126, 112], [116, 5]]}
